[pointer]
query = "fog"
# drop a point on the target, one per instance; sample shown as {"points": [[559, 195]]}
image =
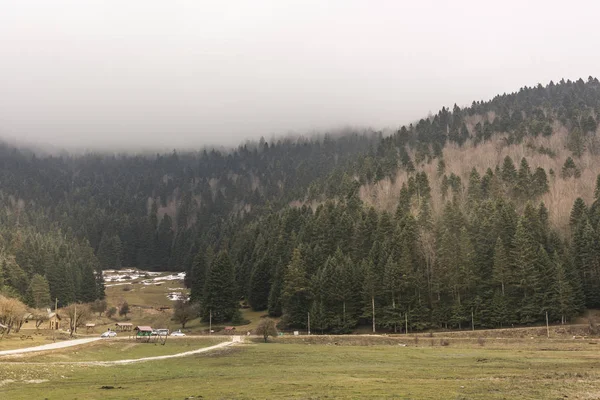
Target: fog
{"points": [[175, 74]]}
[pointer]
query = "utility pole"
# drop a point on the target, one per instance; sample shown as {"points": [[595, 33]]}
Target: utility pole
{"points": [[210, 323], [406, 323], [547, 326], [472, 323], [55, 319], [373, 304], [74, 321], [309, 324]]}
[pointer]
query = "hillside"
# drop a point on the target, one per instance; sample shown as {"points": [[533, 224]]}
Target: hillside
{"points": [[486, 213]]}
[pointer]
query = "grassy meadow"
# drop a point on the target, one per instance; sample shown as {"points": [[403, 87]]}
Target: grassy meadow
{"points": [[326, 367]]}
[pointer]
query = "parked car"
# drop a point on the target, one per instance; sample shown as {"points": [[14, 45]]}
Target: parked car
{"points": [[178, 333], [109, 334], [160, 332]]}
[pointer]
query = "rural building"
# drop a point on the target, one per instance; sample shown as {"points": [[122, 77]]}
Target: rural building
{"points": [[53, 321], [124, 327], [90, 327]]}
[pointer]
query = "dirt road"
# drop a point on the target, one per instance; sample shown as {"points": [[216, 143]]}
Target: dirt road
{"points": [[51, 346], [234, 340]]}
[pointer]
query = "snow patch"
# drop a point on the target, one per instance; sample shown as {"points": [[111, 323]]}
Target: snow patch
{"points": [[174, 296]]}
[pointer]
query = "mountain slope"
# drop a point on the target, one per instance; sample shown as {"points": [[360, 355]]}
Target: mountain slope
{"points": [[488, 211]]}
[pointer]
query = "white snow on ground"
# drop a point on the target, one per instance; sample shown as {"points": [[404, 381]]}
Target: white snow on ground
{"points": [[157, 280], [172, 277], [124, 276], [174, 296]]}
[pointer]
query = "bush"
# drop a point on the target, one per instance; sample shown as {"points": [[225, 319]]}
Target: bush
{"points": [[481, 341], [444, 342], [124, 310]]}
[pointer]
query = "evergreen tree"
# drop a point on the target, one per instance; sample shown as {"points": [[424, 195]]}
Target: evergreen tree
{"points": [[198, 277], [88, 285], [260, 285], [296, 293], [219, 290], [502, 270], [563, 296], [39, 292]]}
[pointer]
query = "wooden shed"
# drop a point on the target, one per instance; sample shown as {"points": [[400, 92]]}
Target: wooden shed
{"points": [[54, 321], [124, 327], [143, 333]]}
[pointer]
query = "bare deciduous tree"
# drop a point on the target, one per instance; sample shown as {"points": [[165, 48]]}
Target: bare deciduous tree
{"points": [[12, 313], [185, 312], [78, 315], [266, 327]]}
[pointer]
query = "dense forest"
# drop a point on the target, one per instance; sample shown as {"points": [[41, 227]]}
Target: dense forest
{"points": [[488, 213]]}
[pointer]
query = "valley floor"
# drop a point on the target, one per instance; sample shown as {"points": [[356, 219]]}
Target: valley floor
{"points": [[325, 367]]}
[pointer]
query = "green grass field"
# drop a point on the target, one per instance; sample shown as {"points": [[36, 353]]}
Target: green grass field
{"points": [[293, 368]]}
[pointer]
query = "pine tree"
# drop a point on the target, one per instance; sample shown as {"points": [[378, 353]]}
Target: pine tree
{"points": [[39, 292], [563, 296], [523, 187], [509, 172], [525, 255], [260, 285], [540, 182], [274, 306], [502, 270], [219, 290], [198, 277], [474, 192], [578, 213], [392, 284], [296, 293], [569, 169], [88, 285]]}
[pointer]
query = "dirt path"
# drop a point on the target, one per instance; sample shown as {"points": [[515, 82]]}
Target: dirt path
{"points": [[234, 340], [51, 346]]}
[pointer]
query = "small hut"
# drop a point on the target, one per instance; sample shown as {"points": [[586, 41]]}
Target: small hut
{"points": [[54, 321], [143, 333], [90, 327], [124, 327]]}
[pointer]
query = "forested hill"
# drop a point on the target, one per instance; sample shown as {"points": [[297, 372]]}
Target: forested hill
{"points": [[487, 210]]}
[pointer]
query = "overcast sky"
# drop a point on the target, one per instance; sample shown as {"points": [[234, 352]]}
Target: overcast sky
{"points": [[175, 74]]}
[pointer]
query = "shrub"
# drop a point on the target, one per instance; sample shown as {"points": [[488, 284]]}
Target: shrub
{"points": [[111, 312], [124, 310], [444, 342]]}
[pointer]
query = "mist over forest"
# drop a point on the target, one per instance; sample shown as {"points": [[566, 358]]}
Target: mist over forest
{"points": [[489, 210]]}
